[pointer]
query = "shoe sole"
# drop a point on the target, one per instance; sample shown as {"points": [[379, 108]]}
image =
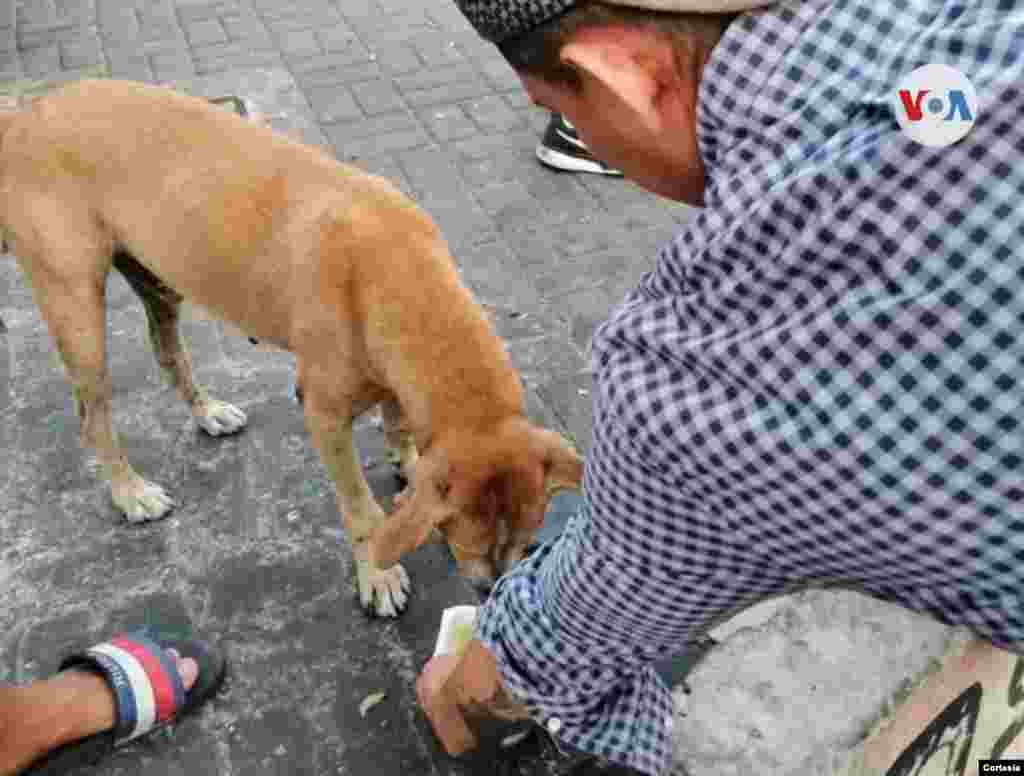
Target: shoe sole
{"points": [[560, 161]]}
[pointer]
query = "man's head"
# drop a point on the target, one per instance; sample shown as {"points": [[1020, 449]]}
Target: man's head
{"points": [[625, 74]]}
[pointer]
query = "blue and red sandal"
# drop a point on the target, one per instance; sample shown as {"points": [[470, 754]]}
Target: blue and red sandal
{"points": [[148, 692]]}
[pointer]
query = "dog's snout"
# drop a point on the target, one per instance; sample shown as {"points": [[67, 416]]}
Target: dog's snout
{"points": [[482, 586]]}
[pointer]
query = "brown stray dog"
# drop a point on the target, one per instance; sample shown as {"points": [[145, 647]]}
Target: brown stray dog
{"points": [[191, 201]]}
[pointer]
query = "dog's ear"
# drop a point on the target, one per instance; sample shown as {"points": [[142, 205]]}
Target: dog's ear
{"points": [[528, 487], [423, 507], [524, 501], [563, 467]]}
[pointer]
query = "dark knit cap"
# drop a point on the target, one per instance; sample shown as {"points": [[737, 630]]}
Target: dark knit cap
{"points": [[499, 20], [507, 23]]}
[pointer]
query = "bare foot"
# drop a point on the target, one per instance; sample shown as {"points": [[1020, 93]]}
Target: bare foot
{"points": [[70, 706], [97, 700], [188, 669]]}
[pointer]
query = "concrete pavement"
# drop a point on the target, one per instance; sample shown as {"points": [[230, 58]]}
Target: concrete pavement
{"points": [[254, 553]]}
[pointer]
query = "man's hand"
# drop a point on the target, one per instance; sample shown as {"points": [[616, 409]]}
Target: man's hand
{"points": [[453, 690], [438, 703]]}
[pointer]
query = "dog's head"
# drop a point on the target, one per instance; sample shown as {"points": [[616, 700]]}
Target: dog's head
{"points": [[486, 492]]}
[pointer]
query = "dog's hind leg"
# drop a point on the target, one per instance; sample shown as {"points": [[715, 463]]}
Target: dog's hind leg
{"points": [[402, 451], [329, 420], [66, 260], [163, 306]]}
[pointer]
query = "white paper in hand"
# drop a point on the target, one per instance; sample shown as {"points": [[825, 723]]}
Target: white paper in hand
{"points": [[457, 624]]}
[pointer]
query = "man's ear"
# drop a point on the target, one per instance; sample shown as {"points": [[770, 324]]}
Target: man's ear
{"points": [[421, 510], [609, 65]]}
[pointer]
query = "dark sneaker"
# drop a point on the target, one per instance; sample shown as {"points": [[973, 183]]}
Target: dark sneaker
{"points": [[562, 149]]}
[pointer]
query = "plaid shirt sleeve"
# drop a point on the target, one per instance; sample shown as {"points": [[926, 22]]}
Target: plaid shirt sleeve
{"points": [[821, 383]]}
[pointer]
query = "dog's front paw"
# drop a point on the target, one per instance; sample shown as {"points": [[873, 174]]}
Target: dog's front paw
{"points": [[217, 418], [382, 592], [141, 501]]}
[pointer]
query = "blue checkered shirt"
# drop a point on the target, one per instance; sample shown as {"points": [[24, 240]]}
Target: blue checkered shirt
{"points": [[820, 384]]}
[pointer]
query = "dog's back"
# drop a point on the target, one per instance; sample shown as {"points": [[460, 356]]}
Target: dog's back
{"points": [[7, 117], [8, 113], [270, 234], [198, 195]]}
